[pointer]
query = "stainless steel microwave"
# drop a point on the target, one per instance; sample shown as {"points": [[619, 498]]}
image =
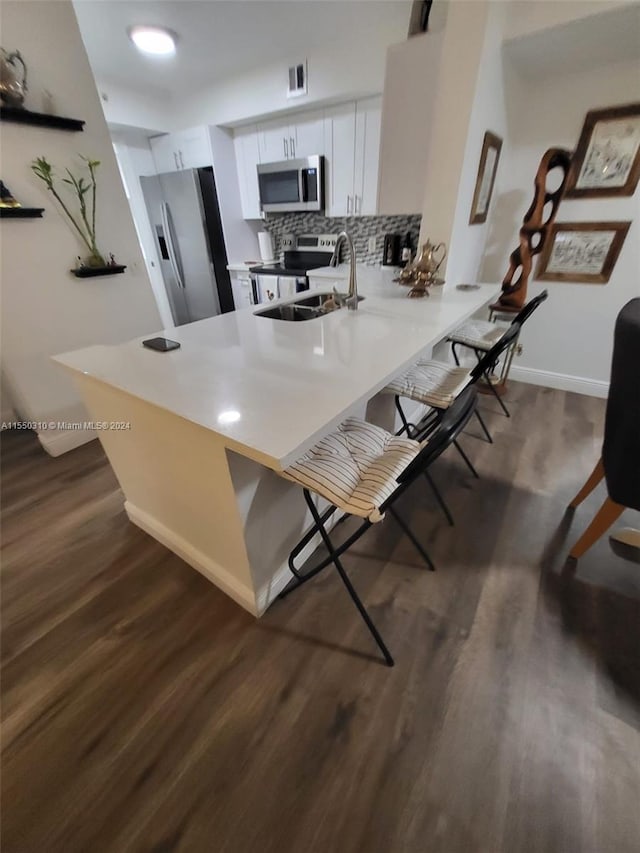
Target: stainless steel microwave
{"points": [[292, 185]]}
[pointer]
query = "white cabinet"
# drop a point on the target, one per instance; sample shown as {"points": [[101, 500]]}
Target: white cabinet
{"points": [[307, 133], [164, 155], [354, 141], [341, 159], [367, 156], [241, 288], [348, 135], [194, 149], [300, 136], [246, 145], [274, 141], [187, 149]]}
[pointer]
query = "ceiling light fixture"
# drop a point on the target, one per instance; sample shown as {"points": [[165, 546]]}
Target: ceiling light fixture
{"points": [[153, 40]]}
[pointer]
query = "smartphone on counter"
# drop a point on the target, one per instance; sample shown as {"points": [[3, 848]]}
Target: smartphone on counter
{"points": [[161, 344]]}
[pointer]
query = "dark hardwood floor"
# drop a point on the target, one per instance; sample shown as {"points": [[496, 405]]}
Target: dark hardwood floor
{"points": [[145, 711]]}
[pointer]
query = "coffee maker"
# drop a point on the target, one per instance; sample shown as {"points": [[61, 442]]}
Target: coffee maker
{"points": [[391, 252]]}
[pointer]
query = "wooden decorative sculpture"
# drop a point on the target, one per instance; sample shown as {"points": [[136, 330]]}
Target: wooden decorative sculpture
{"points": [[536, 225]]}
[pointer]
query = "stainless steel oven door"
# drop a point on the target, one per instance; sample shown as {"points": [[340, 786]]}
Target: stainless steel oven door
{"points": [[292, 185]]}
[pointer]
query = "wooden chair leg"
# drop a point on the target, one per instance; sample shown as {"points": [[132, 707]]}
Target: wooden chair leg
{"points": [[596, 475], [609, 512]]}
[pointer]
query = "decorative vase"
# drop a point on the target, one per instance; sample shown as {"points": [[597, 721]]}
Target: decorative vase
{"points": [[95, 260], [13, 86]]}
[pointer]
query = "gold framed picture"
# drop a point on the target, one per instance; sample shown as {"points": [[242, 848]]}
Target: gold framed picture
{"points": [[607, 159], [583, 252], [491, 147]]}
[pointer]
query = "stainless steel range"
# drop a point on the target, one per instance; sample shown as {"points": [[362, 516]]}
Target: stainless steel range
{"points": [[303, 253]]}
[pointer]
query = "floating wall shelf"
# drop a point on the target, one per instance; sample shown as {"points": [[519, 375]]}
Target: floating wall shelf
{"points": [[90, 272], [22, 116], [21, 212]]}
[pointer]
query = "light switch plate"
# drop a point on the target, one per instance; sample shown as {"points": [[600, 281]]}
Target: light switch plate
{"points": [[371, 246]]}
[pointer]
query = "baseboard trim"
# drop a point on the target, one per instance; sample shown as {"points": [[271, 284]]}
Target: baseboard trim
{"points": [[561, 381], [211, 570], [57, 443]]}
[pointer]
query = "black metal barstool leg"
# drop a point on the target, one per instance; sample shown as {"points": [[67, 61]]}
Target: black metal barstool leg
{"points": [[483, 425], [466, 459], [413, 539], [406, 426], [497, 396], [345, 580], [439, 498]]}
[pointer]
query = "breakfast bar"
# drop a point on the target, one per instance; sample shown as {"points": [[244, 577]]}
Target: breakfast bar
{"points": [[209, 424]]}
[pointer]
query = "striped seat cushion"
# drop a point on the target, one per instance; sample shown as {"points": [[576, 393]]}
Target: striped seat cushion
{"points": [[432, 382], [355, 467], [479, 334]]}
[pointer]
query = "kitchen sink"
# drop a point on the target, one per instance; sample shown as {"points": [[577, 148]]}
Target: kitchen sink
{"points": [[306, 308]]}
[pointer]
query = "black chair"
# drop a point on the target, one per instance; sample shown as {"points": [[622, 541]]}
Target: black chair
{"points": [[619, 464], [437, 384], [481, 335], [379, 485]]}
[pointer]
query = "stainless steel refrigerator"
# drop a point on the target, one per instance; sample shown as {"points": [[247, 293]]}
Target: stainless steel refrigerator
{"points": [[185, 219]]}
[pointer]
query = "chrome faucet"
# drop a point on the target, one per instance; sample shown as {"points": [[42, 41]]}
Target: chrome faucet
{"points": [[352, 296]]}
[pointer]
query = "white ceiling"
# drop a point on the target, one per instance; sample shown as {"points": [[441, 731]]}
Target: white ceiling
{"points": [[597, 40], [220, 38]]}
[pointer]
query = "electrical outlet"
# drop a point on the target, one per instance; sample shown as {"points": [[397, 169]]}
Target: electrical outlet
{"points": [[371, 246]]}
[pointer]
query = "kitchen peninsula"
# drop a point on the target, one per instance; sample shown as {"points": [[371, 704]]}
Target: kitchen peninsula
{"points": [[243, 398]]}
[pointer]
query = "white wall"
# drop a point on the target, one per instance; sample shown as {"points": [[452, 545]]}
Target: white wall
{"points": [[240, 235], [134, 157], [129, 108], [350, 66], [462, 53], [569, 344], [46, 310], [525, 18], [410, 87], [467, 242]]}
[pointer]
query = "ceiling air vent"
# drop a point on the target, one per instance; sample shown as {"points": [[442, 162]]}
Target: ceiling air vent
{"points": [[297, 80]]}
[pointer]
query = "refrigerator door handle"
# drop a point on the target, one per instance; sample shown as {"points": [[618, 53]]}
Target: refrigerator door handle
{"points": [[167, 225]]}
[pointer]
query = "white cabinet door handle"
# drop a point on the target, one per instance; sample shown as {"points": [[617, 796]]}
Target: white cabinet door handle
{"points": [[286, 148], [175, 157], [292, 144], [357, 205], [181, 160], [349, 205]]}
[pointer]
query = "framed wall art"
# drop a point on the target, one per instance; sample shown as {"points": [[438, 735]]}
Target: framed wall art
{"points": [[607, 159], [581, 251], [485, 180]]}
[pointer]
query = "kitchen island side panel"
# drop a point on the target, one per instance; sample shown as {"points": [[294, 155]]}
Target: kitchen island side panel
{"points": [[176, 481]]}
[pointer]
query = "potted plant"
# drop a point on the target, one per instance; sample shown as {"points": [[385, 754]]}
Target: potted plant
{"points": [[85, 223]]}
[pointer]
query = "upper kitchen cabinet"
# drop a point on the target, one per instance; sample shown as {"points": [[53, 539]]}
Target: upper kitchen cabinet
{"points": [[246, 145], [187, 149], [340, 154], [164, 153], [298, 136], [352, 147], [367, 156], [307, 131], [407, 111], [274, 141]]}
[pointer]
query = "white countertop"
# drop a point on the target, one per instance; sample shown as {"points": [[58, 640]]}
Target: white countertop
{"points": [[269, 388], [243, 266]]}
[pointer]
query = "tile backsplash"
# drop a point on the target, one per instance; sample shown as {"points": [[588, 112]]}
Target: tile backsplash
{"points": [[361, 229]]}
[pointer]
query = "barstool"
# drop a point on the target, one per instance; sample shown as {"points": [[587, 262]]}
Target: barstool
{"points": [[362, 470], [437, 384], [481, 335]]}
